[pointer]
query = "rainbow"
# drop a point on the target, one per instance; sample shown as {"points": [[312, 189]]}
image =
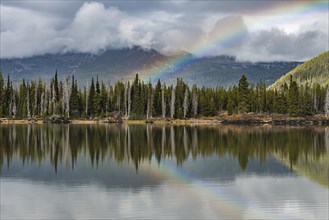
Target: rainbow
{"points": [[232, 34], [225, 204]]}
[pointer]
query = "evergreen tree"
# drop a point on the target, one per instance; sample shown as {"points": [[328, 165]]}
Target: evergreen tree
{"points": [[244, 104], [230, 106], [163, 101], [103, 99], [22, 100], [138, 99], [157, 104], [280, 103], [7, 97], [293, 98], [179, 97], [56, 87], [305, 101], [91, 100], [75, 100], [97, 99], [270, 101], [149, 110]]}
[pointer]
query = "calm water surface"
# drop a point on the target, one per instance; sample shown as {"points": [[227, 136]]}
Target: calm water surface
{"points": [[156, 172]]}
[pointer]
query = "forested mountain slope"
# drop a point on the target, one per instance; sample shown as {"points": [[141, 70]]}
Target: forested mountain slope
{"points": [[311, 72]]}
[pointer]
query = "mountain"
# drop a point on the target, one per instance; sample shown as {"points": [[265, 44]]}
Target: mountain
{"points": [[122, 64], [313, 71]]}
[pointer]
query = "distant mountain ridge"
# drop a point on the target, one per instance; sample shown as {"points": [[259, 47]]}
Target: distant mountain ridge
{"points": [[311, 72], [122, 64]]}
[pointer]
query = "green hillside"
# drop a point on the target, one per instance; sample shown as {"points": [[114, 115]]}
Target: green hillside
{"points": [[313, 71]]}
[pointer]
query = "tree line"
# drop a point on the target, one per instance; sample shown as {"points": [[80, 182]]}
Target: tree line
{"points": [[140, 100]]}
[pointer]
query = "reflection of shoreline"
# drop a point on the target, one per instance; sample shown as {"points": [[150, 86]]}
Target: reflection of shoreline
{"points": [[135, 144], [316, 170]]}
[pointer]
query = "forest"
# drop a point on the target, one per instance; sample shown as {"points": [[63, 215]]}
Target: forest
{"points": [[142, 100]]}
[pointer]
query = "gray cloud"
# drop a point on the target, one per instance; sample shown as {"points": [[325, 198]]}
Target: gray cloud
{"points": [[275, 44], [146, 6], [168, 26], [221, 39]]}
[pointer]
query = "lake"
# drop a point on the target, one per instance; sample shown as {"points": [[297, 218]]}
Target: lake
{"points": [[163, 172]]}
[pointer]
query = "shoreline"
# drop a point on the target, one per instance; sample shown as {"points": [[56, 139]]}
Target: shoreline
{"points": [[238, 119], [88, 121]]}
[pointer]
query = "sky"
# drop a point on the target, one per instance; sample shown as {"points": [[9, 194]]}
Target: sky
{"points": [[249, 30]]}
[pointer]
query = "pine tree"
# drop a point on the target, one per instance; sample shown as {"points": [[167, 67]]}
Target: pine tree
{"points": [[293, 98], [117, 96], [149, 101], [157, 104], [163, 101], [306, 101], [230, 106], [22, 100], [244, 104], [74, 100], [7, 97], [91, 100], [280, 103], [139, 96], [179, 97], [97, 99], [56, 89]]}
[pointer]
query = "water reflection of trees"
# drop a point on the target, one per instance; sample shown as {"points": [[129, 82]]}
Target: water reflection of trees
{"points": [[137, 143]]}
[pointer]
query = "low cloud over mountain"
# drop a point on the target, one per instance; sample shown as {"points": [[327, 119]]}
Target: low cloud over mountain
{"points": [[247, 32]]}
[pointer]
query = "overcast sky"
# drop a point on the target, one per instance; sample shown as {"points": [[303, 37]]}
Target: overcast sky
{"points": [[249, 30]]}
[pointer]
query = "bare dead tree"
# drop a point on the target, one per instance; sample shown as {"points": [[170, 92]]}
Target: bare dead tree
{"points": [[172, 105]]}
